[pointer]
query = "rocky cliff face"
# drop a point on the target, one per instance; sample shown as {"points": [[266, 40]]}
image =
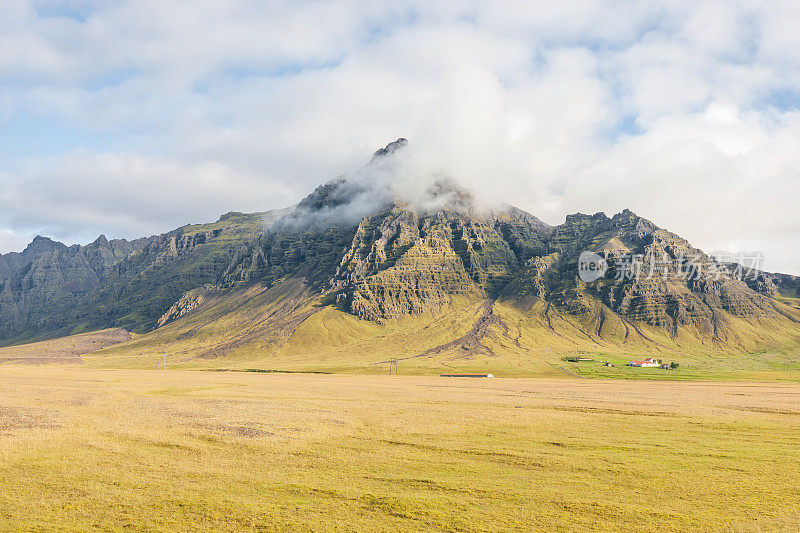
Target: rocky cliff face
{"points": [[51, 289], [769, 283], [48, 278], [654, 276], [401, 262]]}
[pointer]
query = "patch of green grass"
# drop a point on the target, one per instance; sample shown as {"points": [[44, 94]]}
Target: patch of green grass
{"points": [[235, 223]]}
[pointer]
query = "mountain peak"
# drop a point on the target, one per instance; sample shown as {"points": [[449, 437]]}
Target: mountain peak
{"points": [[390, 148], [334, 193], [630, 220], [41, 244], [626, 214], [229, 215]]}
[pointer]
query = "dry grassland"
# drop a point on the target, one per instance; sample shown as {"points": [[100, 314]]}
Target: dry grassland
{"points": [[135, 450]]}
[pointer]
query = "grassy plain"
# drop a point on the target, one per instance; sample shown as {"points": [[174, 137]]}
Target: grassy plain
{"points": [[86, 449]]}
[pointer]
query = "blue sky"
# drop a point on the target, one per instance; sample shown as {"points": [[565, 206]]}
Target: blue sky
{"points": [[134, 117]]}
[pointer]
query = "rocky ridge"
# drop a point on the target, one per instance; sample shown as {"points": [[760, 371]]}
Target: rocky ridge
{"points": [[52, 289], [401, 258]]}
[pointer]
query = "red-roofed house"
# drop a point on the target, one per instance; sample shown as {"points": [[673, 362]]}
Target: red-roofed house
{"points": [[649, 362]]}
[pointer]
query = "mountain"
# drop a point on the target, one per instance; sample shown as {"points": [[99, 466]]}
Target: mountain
{"points": [[50, 289], [369, 267]]}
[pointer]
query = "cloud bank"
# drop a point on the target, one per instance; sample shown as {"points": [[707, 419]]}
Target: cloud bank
{"points": [[133, 117]]}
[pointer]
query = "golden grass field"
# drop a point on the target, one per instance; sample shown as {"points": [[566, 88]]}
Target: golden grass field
{"points": [[140, 450]]}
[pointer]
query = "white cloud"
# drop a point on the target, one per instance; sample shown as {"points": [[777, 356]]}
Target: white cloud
{"points": [[127, 194], [183, 110], [10, 240], [725, 179]]}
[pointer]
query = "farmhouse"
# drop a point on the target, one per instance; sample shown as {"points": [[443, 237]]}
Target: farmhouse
{"points": [[649, 362]]}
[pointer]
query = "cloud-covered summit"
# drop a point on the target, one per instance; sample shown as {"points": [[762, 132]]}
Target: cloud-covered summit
{"points": [[396, 175]]}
